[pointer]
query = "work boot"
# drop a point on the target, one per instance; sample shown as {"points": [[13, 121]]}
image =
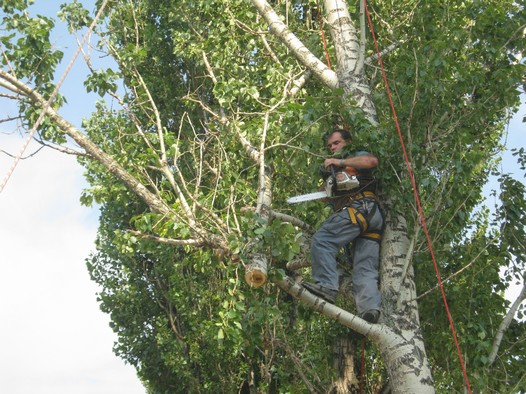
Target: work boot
{"points": [[371, 316], [325, 293]]}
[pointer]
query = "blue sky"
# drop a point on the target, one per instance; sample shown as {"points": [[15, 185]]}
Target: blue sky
{"points": [[53, 336]]}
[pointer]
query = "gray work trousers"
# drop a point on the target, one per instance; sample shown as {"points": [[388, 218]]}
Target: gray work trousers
{"points": [[336, 232]]}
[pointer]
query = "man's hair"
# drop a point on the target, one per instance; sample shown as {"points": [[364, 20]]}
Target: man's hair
{"points": [[344, 133]]}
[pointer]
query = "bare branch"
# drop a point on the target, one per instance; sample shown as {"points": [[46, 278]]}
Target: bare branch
{"points": [[167, 241], [10, 97], [374, 58], [285, 218], [298, 84], [265, 192], [24, 157]]}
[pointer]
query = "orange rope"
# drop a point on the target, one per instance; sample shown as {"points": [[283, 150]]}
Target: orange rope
{"points": [[417, 199], [324, 41], [51, 98]]}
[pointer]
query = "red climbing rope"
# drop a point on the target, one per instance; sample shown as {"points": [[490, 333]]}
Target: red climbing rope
{"points": [[417, 199]]}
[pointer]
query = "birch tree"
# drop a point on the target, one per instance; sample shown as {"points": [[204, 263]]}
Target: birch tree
{"points": [[215, 114]]}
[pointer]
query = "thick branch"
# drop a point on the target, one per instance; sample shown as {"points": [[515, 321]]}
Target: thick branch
{"points": [[373, 331], [300, 51]]}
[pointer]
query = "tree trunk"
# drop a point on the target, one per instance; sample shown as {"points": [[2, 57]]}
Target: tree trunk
{"points": [[405, 357], [344, 362], [350, 52], [406, 362]]}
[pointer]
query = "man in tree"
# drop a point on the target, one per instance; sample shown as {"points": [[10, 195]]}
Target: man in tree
{"points": [[357, 218]]}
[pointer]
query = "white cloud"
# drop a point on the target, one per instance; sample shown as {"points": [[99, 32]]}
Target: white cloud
{"points": [[53, 337]]}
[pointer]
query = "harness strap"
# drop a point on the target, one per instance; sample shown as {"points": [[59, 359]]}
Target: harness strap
{"points": [[373, 236], [360, 195], [358, 218]]}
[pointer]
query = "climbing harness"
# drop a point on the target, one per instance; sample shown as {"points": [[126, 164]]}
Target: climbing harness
{"points": [[358, 218]]}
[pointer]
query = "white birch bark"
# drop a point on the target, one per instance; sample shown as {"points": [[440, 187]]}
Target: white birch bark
{"points": [[298, 49], [407, 363], [350, 56]]}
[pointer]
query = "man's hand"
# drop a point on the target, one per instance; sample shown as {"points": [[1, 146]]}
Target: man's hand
{"points": [[334, 162]]}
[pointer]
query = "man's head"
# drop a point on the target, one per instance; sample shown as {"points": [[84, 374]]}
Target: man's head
{"points": [[337, 139]]}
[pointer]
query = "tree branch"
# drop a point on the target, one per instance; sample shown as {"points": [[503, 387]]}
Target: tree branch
{"points": [[369, 61], [154, 202], [265, 187], [506, 322], [285, 218], [166, 241], [298, 49], [373, 331]]}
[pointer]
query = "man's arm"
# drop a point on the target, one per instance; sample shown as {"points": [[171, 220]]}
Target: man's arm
{"points": [[365, 162]]}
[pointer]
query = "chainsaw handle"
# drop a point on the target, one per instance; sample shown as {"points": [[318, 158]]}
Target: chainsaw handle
{"points": [[332, 168]]}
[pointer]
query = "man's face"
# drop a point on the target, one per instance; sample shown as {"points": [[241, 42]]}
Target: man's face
{"points": [[335, 142]]}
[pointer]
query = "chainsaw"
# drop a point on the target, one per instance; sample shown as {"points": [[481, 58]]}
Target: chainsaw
{"points": [[338, 182]]}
